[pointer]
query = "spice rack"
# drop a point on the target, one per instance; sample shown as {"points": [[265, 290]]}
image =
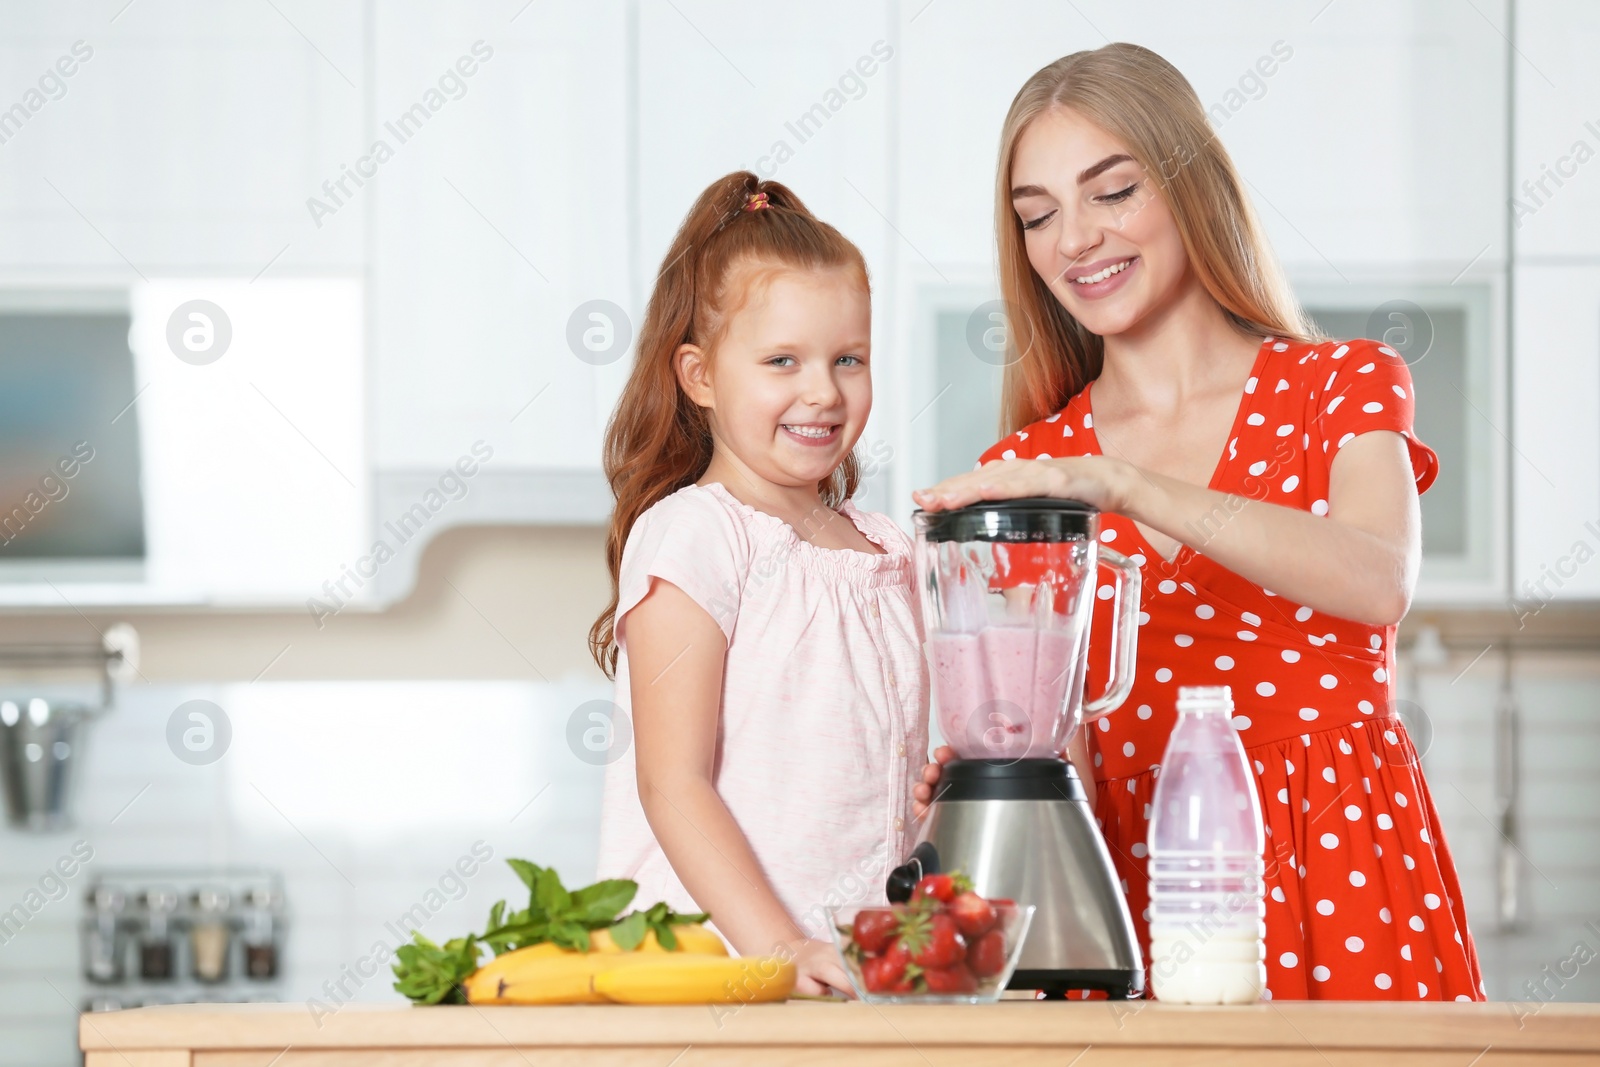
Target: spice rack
{"points": [[182, 936]]}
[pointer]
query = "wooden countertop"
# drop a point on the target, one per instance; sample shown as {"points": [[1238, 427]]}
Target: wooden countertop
{"points": [[1019, 1033]]}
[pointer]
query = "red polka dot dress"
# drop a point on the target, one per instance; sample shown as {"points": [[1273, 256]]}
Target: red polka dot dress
{"points": [[1363, 902]]}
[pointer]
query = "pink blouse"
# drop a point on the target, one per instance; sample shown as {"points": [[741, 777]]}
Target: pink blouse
{"points": [[824, 721]]}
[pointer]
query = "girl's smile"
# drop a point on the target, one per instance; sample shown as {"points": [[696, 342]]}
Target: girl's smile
{"points": [[813, 435]]}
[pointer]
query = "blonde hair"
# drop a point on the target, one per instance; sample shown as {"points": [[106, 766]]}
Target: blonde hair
{"points": [[1143, 101]]}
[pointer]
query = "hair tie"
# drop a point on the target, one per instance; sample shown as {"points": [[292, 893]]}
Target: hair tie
{"points": [[756, 201]]}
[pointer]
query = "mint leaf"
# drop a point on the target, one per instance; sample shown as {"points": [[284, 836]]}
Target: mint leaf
{"points": [[427, 973], [549, 895], [602, 902], [629, 932], [504, 939], [570, 935], [665, 936], [528, 872], [687, 918]]}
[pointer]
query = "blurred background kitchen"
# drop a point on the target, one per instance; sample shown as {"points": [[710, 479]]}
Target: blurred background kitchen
{"points": [[312, 315]]}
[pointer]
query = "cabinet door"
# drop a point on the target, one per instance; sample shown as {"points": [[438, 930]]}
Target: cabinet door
{"points": [[186, 139], [1382, 140], [500, 211], [1556, 462], [1555, 194], [1369, 131]]}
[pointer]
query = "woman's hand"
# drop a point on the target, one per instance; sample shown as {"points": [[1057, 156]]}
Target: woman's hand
{"points": [[922, 792], [818, 967], [1102, 481], [1358, 559]]}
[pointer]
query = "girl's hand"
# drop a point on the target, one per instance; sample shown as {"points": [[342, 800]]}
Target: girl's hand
{"points": [[1102, 481], [922, 792], [819, 968]]}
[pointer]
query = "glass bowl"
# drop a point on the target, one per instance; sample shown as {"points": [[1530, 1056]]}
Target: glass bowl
{"points": [[996, 962]]}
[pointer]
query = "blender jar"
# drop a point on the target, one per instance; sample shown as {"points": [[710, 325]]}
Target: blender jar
{"points": [[1008, 591]]}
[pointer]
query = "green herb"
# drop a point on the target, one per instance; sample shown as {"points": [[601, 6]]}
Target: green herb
{"points": [[432, 974], [628, 932], [553, 913], [657, 917]]}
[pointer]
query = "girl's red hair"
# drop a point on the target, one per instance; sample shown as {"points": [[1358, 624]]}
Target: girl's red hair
{"points": [[658, 441]]}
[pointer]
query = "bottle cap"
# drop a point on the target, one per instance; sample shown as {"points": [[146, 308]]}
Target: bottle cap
{"points": [[1203, 698]]}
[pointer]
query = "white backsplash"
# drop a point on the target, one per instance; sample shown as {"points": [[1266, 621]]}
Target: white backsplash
{"points": [[362, 794]]}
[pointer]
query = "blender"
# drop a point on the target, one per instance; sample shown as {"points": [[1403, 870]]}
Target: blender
{"points": [[1008, 589]]}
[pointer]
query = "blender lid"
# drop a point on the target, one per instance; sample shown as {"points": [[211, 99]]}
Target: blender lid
{"points": [[1029, 519]]}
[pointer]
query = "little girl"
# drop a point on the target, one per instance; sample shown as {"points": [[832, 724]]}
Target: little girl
{"points": [[763, 633]]}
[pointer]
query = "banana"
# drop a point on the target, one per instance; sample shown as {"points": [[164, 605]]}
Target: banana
{"points": [[546, 973], [698, 979], [542, 978], [485, 978], [692, 937]]}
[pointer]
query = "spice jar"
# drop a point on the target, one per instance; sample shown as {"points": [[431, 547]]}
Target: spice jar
{"points": [[259, 933], [209, 934], [103, 946], [156, 948]]}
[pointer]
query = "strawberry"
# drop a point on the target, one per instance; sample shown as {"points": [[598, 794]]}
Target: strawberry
{"points": [[896, 957], [873, 929], [892, 972], [987, 954], [876, 974], [972, 913], [940, 887], [953, 979], [933, 939]]}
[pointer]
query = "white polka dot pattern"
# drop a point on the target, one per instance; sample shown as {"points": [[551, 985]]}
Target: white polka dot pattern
{"points": [[1312, 694]]}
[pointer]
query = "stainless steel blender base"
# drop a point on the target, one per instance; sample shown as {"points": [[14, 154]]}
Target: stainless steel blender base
{"points": [[1024, 831]]}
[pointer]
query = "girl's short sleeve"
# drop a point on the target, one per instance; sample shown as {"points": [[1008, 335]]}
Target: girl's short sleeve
{"points": [[1369, 388], [691, 540]]}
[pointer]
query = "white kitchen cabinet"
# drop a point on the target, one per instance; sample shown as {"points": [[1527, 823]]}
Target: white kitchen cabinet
{"points": [[1370, 173], [1555, 195], [1556, 430], [1382, 141], [187, 139], [504, 208], [800, 95], [1555, 205]]}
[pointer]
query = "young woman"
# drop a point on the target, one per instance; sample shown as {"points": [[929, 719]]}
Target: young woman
{"points": [[1265, 477]]}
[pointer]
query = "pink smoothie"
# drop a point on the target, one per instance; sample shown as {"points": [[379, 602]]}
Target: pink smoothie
{"points": [[1001, 690]]}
